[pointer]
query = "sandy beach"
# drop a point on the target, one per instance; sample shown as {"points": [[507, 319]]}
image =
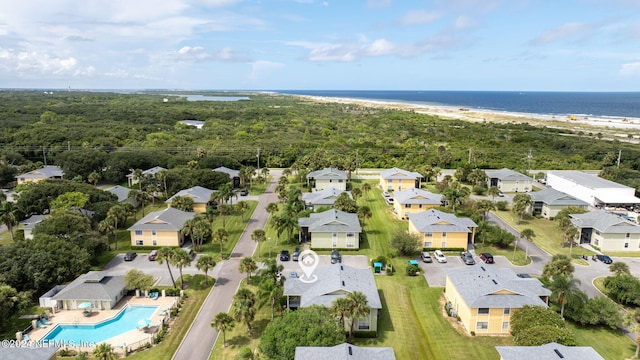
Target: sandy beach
{"points": [[616, 127]]}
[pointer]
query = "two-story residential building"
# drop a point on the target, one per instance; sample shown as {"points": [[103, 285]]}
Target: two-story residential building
{"points": [[414, 200], [344, 351], [322, 198], [398, 179], [331, 229], [484, 297], [548, 202], [507, 180], [437, 229], [550, 351], [327, 178], [607, 231], [200, 196], [160, 228], [44, 173], [234, 175], [132, 179], [336, 281]]}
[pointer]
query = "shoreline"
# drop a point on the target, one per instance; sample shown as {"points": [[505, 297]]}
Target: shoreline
{"points": [[481, 115]]}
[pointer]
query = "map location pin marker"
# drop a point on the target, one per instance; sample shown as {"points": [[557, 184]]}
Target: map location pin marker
{"points": [[308, 262]]}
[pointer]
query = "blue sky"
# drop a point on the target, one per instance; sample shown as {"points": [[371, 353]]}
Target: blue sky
{"points": [[534, 45]]}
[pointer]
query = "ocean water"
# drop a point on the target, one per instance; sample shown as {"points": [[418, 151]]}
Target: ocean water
{"points": [[601, 104]]}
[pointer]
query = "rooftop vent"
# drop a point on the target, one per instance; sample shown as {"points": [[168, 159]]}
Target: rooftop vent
{"points": [[350, 351], [483, 269], [341, 268], [494, 281], [342, 282], [558, 353]]}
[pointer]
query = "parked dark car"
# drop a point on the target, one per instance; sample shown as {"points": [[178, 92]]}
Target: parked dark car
{"points": [[524, 276], [284, 255], [467, 258], [153, 255], [604, 258], [244, 192], [487, 258], [130, 256], [335, 257], [296, 254]]}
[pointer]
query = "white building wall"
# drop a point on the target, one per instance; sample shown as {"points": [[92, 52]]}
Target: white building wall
{"points": [[569, 187]]}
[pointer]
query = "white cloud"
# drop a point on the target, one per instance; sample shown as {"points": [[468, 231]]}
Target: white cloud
{"points": [[464, 22], [32, 63], [630, 69], [219, 3], [419, 17], [564, 31]]}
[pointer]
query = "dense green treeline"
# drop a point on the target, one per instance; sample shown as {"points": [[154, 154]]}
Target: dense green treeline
{"points": [[42, 127]]}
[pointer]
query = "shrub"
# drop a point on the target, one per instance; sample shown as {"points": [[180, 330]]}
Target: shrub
{"points": [[380, 259], [479, 190], [502, 205], [405, 243], [245, 353], [412, 270]]}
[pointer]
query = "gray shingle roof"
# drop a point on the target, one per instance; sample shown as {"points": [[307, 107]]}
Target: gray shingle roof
{"points": [[604, 222], [547, 352], [433, 220], [167, 219], [32, 221], [587, 180], [120, 191], [323, 197], [334, 281], [395, 173], [232, 173], [505, 174], [199, 194], [94, 285], [344, 351], [331, 221], [492, 287], [46, 172], [551, 196], [417, 196], [328, 173], [153, 171]]}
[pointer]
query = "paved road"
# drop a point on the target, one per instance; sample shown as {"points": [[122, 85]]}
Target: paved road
{"points": [[201, 337]]}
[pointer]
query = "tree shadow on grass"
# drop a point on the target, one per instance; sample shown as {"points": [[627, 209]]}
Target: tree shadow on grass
{"points": [[238, 340]]}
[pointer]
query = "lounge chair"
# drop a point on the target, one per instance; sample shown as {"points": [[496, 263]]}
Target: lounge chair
{"points": [[46, 322], [154, 295], [26, 337], [41, 325]]}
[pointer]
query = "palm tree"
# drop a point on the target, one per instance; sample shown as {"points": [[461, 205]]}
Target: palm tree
{"points": [[271, 290], [248, 266], [200, 231], [181, 259], [340, 308], [220, 235], [632, 320], [94, 178], [493, 191], [117, 213], [246, 174], [129, 210], [182, 203], [356, 193], [272, 208], [244, 312], [619, 268], [188, 227], [224, 210], [108, 226], [572, 234], [258, 235], [166, 254], [364, 212], [484, 206], [104, 351], [529, 235], [358, 308], [137, 176], [222, 322], [242, 206], [265, 173], [564, 290], [456, 193], [204, 264], [366, 187], [162, 177], [8, 216], [559, 265], [521, 203], [226, 192]]}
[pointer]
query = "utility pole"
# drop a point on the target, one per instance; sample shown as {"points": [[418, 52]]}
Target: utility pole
{"points": [[529, 157], [469, 160], [619, 155], [258, 159], [44, 155], [356, 161]]}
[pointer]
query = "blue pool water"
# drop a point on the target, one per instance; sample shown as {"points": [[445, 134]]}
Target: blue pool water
{"points": [[126, 320]]}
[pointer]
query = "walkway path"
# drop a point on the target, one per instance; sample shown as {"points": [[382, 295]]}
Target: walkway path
{"points": [[201, 337]]}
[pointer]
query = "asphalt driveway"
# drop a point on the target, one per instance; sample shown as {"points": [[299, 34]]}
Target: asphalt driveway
{"points": [[117, 266]]}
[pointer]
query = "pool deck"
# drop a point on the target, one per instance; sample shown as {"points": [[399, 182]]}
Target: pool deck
{"points": [[131, 339]]}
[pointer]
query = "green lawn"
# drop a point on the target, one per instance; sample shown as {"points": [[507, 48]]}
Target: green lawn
{"points": [[610, 344]]}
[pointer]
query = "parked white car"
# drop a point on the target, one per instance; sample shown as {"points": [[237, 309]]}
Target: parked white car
{"points": [[439, 256]]}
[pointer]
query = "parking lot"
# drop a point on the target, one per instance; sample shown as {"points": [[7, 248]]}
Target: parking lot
{"points": [[355, 261], [117, 266]]}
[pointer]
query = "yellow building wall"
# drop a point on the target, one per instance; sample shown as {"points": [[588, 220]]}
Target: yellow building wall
{"points": [[453, 239], [27, 180], [163, 238], [402, 210], [324, 240], [397, 184], [459, 305]]}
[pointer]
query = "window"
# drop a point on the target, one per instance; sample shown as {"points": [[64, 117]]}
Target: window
{"points": [[628, 235], [482, 325], [443, 244], [597, 232], [363, 324], [626, 245], [444, 234], [428, 244], [155, 243], [153, 233], [408, 206], [349, 234], [334, 243], [505, 325], [419, 206], [351, 244], [483, 311], [597, 241], [428, 234], [138, 232], [507, 311], [139, 242], [340, 180]]}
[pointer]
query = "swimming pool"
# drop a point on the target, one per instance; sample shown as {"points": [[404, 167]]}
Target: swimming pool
{"points": [[126, 320]]}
